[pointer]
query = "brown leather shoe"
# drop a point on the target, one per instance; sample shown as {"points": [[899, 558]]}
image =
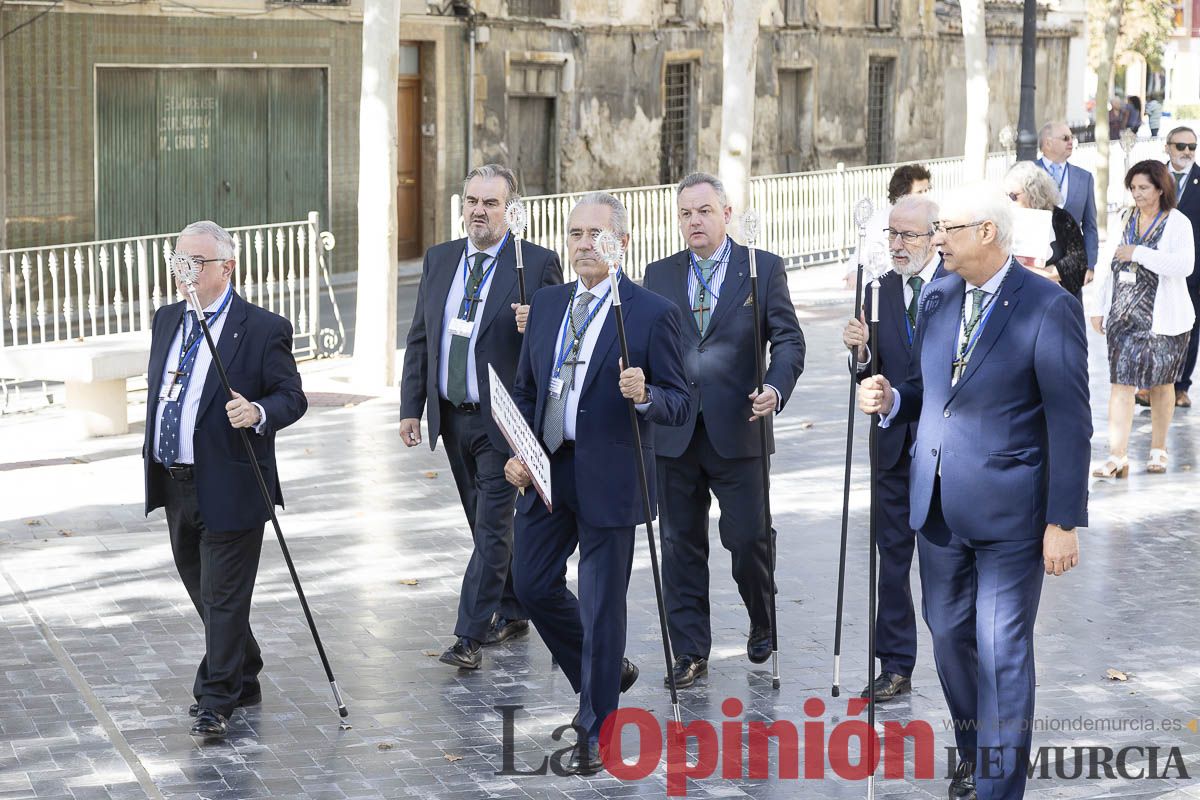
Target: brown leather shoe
{"points": [[1182, 400], [1142, 397]]}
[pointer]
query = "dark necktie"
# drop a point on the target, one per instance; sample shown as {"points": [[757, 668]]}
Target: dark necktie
{"points": [[915, 283], [168, 426], [1178, 185], [703, 309], [460, 346], [556, 407]]}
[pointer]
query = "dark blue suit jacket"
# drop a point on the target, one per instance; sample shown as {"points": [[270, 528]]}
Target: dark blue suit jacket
{"points": [[256, 349], [497, 343], [605, 473], [1012, 438], [892, 352], [720, 365], [1189, 205], [1081, 204]]}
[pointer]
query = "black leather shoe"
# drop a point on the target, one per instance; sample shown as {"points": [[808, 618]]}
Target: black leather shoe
{"points": [[629, 675], [889, 686], [209, 725], [963, 785], [686, 670], [758, 644], [503, 628], [243, 701], [585, 759], [463, 654]]}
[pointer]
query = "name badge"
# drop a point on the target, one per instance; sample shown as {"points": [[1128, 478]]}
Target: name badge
{"points": [[462, 327], [171, 392], [1126, 277], [556, 387]]}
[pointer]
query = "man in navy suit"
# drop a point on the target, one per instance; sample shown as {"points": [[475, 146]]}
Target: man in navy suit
{"points": [[718, 448], [1077, 186], [915, 264], [998, 381], [467, 317], [1181, 150], [195, 464], [575, 396]]}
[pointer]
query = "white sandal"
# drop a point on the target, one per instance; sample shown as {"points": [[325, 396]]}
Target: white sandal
{"points": [[1157, 464], [1114, 467]]}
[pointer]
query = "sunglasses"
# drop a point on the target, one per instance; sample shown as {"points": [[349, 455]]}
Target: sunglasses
{"points": [[1014, 195], [1180, 146]]}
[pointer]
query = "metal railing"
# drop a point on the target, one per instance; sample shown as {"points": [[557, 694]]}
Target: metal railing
{"points": [[806, 216], [76, 291]]}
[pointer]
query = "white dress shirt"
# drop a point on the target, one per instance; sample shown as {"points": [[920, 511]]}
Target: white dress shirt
{"points": [[454, 300], [191, 398], [715, 282]]}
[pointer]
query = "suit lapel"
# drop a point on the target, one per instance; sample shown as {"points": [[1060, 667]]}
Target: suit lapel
{"points": [[1191, 188], [544, 350], [734, 289], [1001, 311], [232, 335], [941, 315], [504, 280], [441, 283], [679, 275], [891, 298], [607, 339]]}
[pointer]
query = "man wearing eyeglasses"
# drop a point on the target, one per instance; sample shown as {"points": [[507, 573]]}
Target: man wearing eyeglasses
{"points": [[998, 485], [915, 264], [196, 467], [1181, 150], [1076, 185]]}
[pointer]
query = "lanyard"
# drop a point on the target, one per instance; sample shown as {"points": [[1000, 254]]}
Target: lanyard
{"points": [[184, 354], [721, 255], [964, 353], [565, 347], [467, 299], [1061, 177], [1132, 232]]}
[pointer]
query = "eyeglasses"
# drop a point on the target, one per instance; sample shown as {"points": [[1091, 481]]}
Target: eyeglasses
{"points": [[908, 237], [1068, 138], [1180, 146], [941, 227], [197, 261]]}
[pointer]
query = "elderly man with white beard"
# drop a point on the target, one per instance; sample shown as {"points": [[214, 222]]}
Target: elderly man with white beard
{"points": [[915, 262]]}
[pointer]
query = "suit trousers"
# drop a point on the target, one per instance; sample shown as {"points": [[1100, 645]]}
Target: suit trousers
{"points": [[487, 498], [895, 618], [684, 484], [1189, 365], [980, 600], [586, 635], [218, 569]]}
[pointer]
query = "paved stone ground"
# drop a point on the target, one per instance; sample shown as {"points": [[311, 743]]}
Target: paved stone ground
{"points": [[98, 641]]}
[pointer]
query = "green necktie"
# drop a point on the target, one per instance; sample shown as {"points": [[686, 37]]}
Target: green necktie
{"points": [[915, 283], [977, 296], [460, 346], [703, 308], [1178, 185]]}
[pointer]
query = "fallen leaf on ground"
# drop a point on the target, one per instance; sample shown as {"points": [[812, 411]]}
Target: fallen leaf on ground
{"points": [[32, 522], [308, 451], [1116, 675], [431, 653], [452, 758], [65, 532], [409, 582], [805, 425], [431, 474], [385, 745]]}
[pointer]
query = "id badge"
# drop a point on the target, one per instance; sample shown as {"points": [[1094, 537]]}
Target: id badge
{"points": [[171, 393], [556, 387], [1126, 277], [461, 327]]}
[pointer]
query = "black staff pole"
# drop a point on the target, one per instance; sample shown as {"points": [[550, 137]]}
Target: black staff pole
{"points": [[750, 223], [862, 213], [609, 248], [185, 273], [873, 450], [517, 218]]}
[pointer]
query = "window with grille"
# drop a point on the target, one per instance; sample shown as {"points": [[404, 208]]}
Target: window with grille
{"points": [[678, 127], [535, 8], [879, 110]]}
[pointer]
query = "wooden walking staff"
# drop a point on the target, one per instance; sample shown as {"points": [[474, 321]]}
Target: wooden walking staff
{"points": [[750, 225], [608, 246], [186, 272], [862, 213], [517, 218], [873, 450]]}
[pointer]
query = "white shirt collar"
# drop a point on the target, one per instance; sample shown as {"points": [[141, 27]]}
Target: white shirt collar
{"points": [[216, 304], [596, 291], [491, 251], [927, 271]]}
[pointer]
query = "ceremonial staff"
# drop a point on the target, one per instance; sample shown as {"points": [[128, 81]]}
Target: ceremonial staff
{"points": [[750, 222], [873, 451], [517, 219], [862, 213], [608, 246], [186, 272]]}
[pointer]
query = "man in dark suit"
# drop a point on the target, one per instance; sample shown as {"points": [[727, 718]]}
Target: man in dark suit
{"points": [[468, 317], [195, 464], [1077, 186], [998, 484], [574, 394], [718, 448], [1181, 150], [915, 264]]}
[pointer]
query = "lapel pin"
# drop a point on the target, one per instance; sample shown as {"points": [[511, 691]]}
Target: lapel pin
{"points": [[235, 335], [1005, 302]]}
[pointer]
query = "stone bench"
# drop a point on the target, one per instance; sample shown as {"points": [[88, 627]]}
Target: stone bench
{"points": [[94, 370]]}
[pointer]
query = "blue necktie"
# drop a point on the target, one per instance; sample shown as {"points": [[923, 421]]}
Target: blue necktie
{"points": [[168, 427], [1056, 172]]}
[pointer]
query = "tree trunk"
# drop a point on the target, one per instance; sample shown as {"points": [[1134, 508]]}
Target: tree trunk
{"points": [[975, 133], [375, 321], [1104, 69], [737, 99]]}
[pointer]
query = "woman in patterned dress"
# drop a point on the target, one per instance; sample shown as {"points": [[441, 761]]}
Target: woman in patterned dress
{"points": [[1144, 309]]}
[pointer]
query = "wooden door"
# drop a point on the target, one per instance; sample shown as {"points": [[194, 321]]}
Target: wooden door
{"points": [[408, 187], [530, 142]]}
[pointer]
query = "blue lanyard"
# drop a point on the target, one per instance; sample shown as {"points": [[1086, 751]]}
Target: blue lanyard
{"points": [[965, 353], [185, 354], [1132, 234], [465, 313], [1061, 177], [721, 255], [565, 348]]}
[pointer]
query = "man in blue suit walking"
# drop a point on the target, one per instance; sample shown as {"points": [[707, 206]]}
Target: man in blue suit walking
{"points": [[574, 394], [998, 382], [1077, 186], [915, 264], [718, 447], [1181, 150]]}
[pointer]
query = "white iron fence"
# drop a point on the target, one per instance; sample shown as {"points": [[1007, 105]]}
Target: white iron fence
{"points": [[806, 216], [76, 291]]}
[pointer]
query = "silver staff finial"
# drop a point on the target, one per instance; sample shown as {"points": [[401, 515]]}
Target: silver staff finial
{"points": [[750, 225], [608, 247], [516, 217], [862, 212], [185, 270]]}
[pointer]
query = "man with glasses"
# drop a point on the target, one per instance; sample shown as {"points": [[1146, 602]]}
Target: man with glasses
{"points": [[915, 264], [1181, 150], [195, 465], [999, 383], [1076, 185]]}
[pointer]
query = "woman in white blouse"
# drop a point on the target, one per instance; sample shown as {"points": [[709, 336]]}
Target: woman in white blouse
{"points": [[1142, 306]]}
